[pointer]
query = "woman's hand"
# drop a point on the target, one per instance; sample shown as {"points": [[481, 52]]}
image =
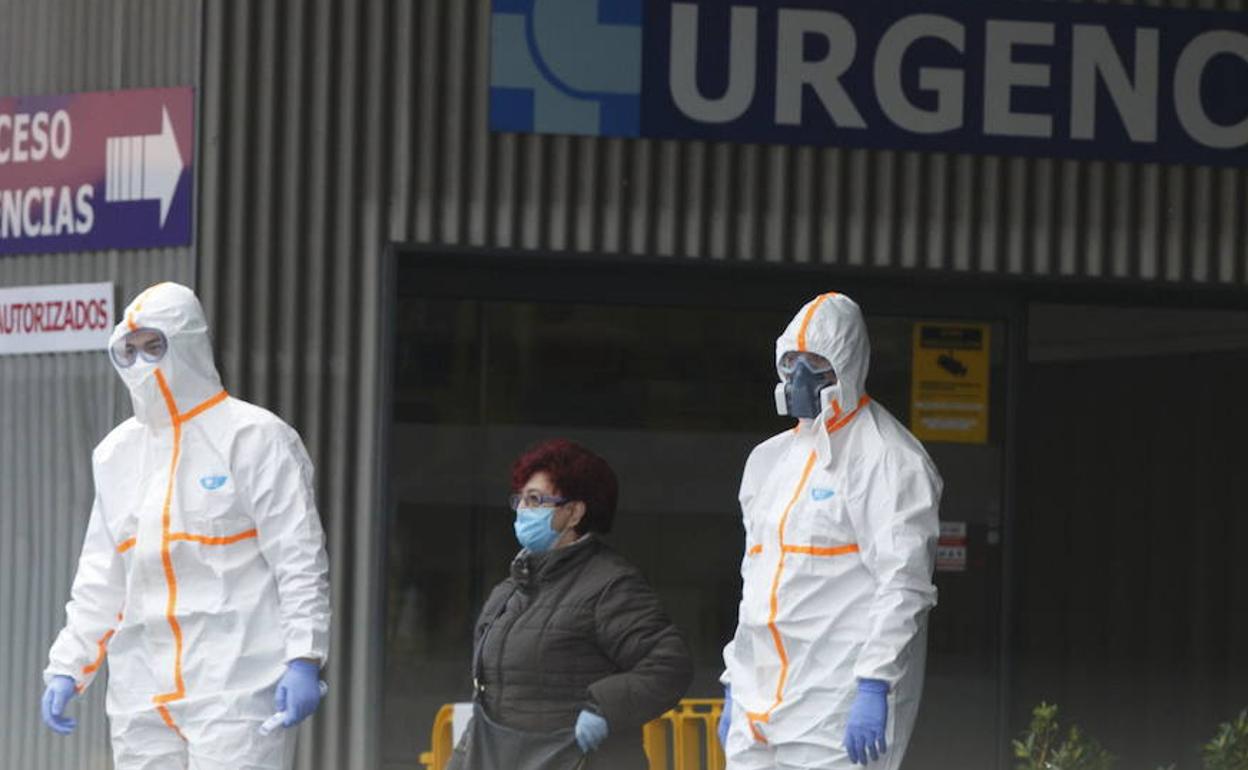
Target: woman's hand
{"points": [[591, 731]]}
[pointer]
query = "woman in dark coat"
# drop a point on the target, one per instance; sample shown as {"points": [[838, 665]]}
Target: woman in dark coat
{"points": [[573, 652]]}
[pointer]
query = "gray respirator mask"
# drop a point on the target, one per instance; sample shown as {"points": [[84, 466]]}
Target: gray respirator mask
{"points": [[805, 377]]}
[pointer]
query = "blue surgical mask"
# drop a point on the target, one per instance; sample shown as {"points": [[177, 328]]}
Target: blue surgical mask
{"points": [[534, 530]]}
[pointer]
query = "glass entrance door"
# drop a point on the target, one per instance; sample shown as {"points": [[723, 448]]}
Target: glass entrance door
{"points": [[673, 390]]}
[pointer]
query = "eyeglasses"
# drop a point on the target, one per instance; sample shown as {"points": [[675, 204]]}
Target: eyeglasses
{"points": [[533, 500], [151, 344], [817, 363]]}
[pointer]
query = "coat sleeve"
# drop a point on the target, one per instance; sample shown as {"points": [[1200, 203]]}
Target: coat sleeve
{"points": [[95, 606], [292, 540], [898, 526], [654, 662]]}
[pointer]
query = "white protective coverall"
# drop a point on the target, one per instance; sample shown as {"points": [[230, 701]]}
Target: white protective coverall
{"points": [[841, 527], [203, 570]]}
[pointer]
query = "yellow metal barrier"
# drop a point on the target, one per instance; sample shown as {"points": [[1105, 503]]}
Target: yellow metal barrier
{"points": [[685, 738], [443, 740], [682, 739]]}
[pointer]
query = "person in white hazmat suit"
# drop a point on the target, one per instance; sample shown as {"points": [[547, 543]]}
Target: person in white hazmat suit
{"points": [[826, 667], [203, 578]]}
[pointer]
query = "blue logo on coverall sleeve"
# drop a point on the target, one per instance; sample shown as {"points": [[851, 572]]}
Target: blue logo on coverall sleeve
{"points": [[821, 493], [212, 482], [566, 67]]}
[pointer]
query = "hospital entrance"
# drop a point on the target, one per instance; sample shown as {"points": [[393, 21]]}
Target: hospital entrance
{"points": [[668, 373]]}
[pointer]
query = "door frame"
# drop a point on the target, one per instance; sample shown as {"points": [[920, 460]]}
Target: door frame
{"points": [[447, 272]]}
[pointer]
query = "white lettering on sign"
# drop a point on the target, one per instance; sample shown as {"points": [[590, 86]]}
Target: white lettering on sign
{"points": [[1093, 55], [949, 85], [26, 138], [1020, 59], [62, 135], [47, 211], [41, 211], [1188, 77], [742, 66], [951, 558], [21, 132], [953, 532], [794, 72], [951, 547], [49, 319], [1002, 74]]}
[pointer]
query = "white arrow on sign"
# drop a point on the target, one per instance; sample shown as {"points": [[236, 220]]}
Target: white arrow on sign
{"points": [[144, 167]]}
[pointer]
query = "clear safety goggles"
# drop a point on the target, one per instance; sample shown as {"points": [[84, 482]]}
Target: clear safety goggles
{"points": [[533, 500], [149, 344], [815, 362]]}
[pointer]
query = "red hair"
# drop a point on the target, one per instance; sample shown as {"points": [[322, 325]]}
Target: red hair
{"points": [[577, 474]]}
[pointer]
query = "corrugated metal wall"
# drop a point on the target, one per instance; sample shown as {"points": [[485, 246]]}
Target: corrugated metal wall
{"points": [[294, 138], [281, 253], [456, 183], [55, 408]]}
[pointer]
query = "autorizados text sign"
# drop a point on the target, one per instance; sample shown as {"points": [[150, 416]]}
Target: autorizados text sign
{"points": [[52, 319], [1009, 78], [87, 172]]}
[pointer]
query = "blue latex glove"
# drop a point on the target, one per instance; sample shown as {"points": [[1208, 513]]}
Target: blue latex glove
{"points": [[864, 734], [61, 690], [299, 692], [591, 731], [725, 717]]}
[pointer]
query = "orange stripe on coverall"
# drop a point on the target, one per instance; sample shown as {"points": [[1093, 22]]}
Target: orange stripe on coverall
{"points": [[775, 603], [138, 306], [167, 538], [171, 579], [810, 314], [165, 715], [102, 644], [91, 668], [840, 420], [785, 548], [811, 550], [197, 411], [205, 540], [758, 736]]}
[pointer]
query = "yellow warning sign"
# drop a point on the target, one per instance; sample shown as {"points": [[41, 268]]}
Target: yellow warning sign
{"points": [[949, 385]]}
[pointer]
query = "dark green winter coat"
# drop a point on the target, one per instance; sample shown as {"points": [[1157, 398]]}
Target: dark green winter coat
{"points": [[576, 628]]}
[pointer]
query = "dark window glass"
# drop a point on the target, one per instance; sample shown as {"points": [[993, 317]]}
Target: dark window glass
{"points": [[674, 398]]}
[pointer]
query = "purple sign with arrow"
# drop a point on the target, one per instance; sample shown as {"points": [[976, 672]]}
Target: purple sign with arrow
{"points": [[89, 172]]}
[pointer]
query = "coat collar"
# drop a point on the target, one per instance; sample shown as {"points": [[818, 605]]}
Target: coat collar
{"points": [[529, 569]]}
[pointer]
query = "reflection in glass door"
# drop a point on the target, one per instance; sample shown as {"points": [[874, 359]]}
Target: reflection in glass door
{"points": [[674, 397]]}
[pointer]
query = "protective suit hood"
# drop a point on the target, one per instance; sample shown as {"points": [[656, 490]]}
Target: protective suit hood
{"points": [[187, 373], [832, 326]]}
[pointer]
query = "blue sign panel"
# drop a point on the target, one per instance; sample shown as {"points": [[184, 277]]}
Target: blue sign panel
{"points": [[1021, 78]]}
